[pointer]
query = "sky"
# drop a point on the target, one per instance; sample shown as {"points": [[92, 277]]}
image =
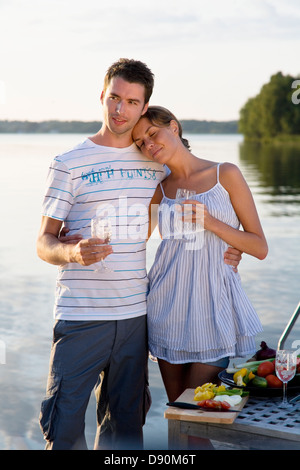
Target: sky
{"points": [[208, 56]]}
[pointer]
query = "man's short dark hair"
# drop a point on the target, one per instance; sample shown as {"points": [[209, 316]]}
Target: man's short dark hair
{"points": [[133, 71]]}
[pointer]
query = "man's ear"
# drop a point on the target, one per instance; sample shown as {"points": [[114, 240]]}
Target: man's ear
{"points": [[101, 97], [145, 108]]}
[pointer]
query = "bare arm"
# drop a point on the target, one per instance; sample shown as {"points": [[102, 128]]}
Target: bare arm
{"points": [[153, 210], [251, 240], [53, 251]]}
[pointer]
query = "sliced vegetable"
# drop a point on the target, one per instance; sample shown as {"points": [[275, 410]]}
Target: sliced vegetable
{"points": [[238, 377], [230, 391], [232, 399], [206, 395], [249, 376], [207, 391], [214, 404]]}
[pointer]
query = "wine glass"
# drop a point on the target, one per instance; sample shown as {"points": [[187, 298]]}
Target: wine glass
{"points": [[183, 194], [285, 366], [101, 228]]}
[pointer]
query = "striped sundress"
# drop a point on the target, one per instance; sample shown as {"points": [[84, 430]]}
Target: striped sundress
{"points": [[196, 306]]}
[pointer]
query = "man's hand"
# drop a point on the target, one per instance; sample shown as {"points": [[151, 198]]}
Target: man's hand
{"points": [[55, 247], [85, 252], [233, 257]]}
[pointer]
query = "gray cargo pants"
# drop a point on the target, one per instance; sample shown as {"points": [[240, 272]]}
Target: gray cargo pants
{"points": [[82, 352]]}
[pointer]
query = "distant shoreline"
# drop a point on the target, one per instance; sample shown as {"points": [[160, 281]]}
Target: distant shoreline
{"points": [[190, 126]]}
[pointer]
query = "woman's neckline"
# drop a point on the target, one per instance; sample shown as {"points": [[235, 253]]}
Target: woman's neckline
{"points": [[198, 194]]}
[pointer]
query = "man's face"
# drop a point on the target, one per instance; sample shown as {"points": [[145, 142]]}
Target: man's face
{"points": [[123, 104]]}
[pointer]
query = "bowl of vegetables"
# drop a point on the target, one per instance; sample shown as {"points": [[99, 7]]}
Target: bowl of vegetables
{"points": [[258, 375]]}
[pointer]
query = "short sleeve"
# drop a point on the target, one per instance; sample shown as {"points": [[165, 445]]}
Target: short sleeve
{"points": [[59, 193]]}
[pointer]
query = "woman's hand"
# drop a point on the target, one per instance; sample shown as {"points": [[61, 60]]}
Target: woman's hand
{"points": [[201, 215], [197, 213], [71, 239]]}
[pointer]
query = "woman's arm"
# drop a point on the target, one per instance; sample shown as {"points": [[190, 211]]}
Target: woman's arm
{"points": [[251, 240], [153, 210]]}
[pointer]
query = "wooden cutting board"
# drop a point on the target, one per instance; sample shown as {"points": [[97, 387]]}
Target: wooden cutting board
{"points": [[202, 416]]}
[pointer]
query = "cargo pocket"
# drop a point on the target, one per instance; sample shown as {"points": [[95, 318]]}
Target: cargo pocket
{"points": [[48, 409]]}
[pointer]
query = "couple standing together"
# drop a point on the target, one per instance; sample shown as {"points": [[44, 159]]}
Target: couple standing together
{"points": [[198, 315]]}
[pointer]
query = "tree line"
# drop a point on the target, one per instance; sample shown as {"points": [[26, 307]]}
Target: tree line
{"points": [[274, 112], [80, 127]]}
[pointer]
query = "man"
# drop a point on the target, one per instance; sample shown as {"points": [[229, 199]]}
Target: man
{"points": [[101, 321], [100, 327]]}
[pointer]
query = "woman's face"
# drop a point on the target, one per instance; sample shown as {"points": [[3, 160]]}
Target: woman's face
{"points": [[156, 143]]}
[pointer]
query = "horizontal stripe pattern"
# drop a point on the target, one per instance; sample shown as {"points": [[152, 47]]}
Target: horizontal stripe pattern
{"points": [[78, 181], [197, 308]]}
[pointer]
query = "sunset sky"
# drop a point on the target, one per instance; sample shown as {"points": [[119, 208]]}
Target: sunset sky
{"points": [[208, 57]]}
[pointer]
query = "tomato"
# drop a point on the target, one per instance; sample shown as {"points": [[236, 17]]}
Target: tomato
{"points": [[213, 404], [209, 404], [273, 381], [265, 368], [225, 405]]}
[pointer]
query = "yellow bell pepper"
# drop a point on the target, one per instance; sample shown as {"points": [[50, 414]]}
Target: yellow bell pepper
{"points": [[242, 377], [238, 377], [249, 376], [206, 395], [205, 392]]}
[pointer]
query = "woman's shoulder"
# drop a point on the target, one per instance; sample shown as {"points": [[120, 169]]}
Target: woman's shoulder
{"points": [[229, 170], [230, 176]]}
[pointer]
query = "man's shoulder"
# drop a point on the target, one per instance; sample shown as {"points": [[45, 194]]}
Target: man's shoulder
{"points": [[75, 150]]}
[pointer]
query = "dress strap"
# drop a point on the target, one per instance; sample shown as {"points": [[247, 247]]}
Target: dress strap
{"points": [[162, 189], [218, 171]]}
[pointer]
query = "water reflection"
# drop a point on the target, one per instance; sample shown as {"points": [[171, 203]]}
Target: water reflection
{"points": [[274, 171], [27, 284]]}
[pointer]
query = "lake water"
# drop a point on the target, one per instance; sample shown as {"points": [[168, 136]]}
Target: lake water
{"points": [[27, 283]]}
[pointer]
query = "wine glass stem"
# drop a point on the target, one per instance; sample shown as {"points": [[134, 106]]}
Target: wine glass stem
{"points": [[284, 400]]}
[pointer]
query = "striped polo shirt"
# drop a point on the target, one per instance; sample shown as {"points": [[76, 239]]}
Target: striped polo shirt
{"points": [[79, 182]]}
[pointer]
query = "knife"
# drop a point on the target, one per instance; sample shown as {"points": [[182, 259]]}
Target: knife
{"points": [[191, 406]]}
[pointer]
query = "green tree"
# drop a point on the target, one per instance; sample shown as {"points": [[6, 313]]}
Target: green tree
{"points": [[271, 113]]}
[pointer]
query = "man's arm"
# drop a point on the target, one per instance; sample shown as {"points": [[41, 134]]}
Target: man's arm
{"points": [[53, 251]]}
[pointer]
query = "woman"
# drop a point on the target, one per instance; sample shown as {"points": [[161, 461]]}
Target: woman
{"points": [[198, 313]]}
